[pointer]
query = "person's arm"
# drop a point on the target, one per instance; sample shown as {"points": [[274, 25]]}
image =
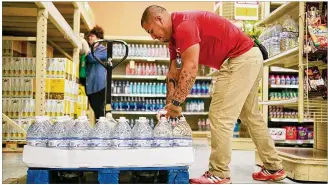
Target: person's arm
{"points": [[188, 44], [100, 53], [187, 76], [171, 81]]}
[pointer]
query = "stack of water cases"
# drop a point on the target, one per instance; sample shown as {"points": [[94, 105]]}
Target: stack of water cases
{"points": [[108, 133]]}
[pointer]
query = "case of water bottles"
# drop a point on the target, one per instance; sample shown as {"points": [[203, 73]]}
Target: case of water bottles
{"points": [[111, 143]]}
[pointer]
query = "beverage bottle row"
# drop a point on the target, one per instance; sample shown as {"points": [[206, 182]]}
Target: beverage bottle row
{"points": [[137, 104], [282, 80], [141, 50], [284, 95], [201, 88], [17, 87], [195, 106], [108, 133], [126, 87], [146, 69], [203, 124], [133, 122]]}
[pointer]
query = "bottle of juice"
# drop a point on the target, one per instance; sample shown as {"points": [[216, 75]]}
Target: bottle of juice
{"points": [[272, 80], [287, 80], [282, 80], [277, 80]]}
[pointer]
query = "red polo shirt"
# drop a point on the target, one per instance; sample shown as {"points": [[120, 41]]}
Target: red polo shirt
{"points": [[218, 38]]}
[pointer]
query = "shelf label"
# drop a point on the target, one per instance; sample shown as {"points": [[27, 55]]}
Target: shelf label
{"points": [[161, 78], [132, 66], [151, 59], [246, 11]]}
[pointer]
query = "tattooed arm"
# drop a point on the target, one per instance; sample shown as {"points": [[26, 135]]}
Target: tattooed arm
{"points": [[171, 81], [188, 73]]}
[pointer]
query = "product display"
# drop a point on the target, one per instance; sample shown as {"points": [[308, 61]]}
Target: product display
{"points": [[283, 80], [126, 87], [141, 50], [137, 104], [203, 124], [314, 83], [146, 69], [284, 95], [195, 106]]}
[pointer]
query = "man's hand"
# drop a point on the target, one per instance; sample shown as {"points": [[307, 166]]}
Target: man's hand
{"points": [[172, 110]]}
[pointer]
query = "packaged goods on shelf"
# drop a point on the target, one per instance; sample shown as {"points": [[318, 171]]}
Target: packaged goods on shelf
{"points": [[10, 133], [18, 107], [283, 80], [195, 106], [141, 68], [291, 132], [17, 87], [314, 83], [278, 133], [126, 87], [283, 95], [141, 50], [137, 104], [204, 124], [18, 67]]}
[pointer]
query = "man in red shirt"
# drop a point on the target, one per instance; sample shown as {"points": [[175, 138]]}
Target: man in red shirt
{"points": [[199, 37]]}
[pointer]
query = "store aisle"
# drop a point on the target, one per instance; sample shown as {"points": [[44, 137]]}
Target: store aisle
{"points": [[242, 164]]}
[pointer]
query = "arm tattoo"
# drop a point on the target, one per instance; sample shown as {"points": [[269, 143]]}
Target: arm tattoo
{"points": [[185, 83]]}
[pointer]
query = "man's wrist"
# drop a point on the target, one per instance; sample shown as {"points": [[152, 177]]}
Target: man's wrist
{"points": [[176, 103]]}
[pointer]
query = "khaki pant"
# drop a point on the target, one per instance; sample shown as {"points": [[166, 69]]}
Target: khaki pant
{"points": [[236, 95]]}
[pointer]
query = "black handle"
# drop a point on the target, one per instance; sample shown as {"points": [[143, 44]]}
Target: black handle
{"points": [[110, 51], [109, 67]]}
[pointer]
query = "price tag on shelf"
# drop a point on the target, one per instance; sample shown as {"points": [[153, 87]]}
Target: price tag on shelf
{"points": [[161, 78], [299, 142], [151, 59], [132, 66]]}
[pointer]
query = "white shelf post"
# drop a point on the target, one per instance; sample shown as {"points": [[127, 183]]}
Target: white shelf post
{"points": [[41, 53], [300, 62]]}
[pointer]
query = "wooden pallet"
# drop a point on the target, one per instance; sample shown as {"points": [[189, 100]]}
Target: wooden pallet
{"points": [[170, 175], [13, 146]]}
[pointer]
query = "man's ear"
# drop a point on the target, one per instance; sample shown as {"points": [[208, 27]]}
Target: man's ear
{"points": [[159, 19]]}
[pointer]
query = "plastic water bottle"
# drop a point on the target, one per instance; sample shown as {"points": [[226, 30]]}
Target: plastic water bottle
{"points": [[275, 39], [122, 135], [182, 134], [142, 134], [58, 137], [163, 134], [37, 133], [79, 134], [100, 135], [138, 88]]}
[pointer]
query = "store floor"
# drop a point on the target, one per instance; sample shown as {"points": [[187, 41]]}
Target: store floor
{"points": [[242, 164]]}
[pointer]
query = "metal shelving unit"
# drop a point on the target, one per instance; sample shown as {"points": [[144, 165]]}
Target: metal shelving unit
{"points": [[57, 24], [300, 164]]}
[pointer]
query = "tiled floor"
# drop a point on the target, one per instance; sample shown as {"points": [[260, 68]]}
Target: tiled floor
{"points": [[242, 164]]}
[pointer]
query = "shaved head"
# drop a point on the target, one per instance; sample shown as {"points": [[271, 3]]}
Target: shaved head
{"points": [[156, 21], [150, 11]]}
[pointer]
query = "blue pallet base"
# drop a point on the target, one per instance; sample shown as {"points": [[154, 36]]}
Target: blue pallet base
{"points": [[176, 175]]}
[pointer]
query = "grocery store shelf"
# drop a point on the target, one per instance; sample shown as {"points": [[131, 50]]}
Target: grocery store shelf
{"points": [[283, 70], [287, 59], [203, 78], [273, 86], [292, 120], [279, 102], [60, 23], [155, 77], [294, 142], [154, 113], [157, 95], [277, 14], [149, 59]]}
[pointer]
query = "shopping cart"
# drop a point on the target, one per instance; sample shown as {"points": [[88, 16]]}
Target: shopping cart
{"points": [[108, 65]]}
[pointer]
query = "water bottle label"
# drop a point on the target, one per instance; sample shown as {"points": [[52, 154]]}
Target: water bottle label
{"points": [[58, 143], [101, 143], [163, 142], [142, 143], [37, 142], [182, 142], [79, 143], [122, 143]]}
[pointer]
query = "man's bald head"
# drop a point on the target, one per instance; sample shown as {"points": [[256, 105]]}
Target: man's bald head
{"points": [[150, 11]]}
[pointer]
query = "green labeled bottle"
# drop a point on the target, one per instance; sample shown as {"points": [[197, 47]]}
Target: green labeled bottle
{"points": [[83, 66]]}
